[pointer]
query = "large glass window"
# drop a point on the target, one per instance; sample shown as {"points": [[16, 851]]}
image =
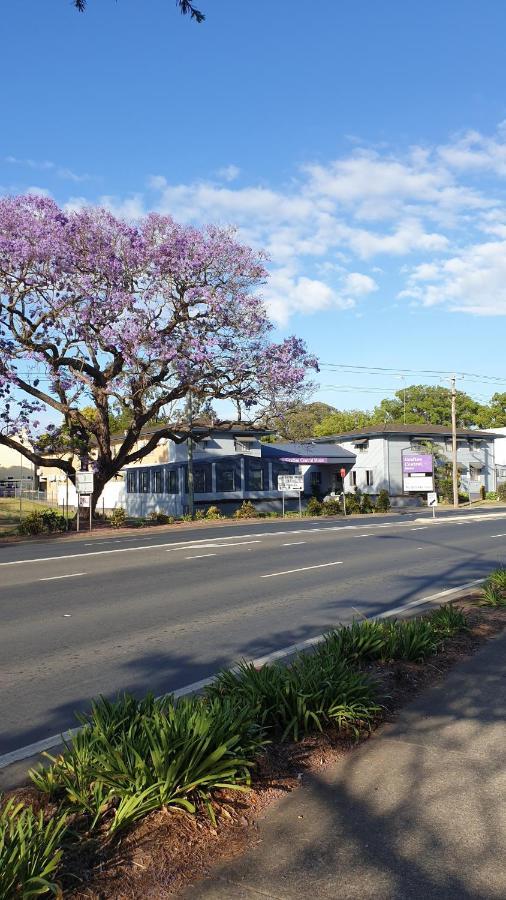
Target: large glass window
{"points": [[171, 482], [256, 478], [226, 478], [131, 482], [157, 481], [200, 481], [144, 481]]}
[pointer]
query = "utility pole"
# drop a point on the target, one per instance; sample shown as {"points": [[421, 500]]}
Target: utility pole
{"points": [[190, 457], [455, 474]]}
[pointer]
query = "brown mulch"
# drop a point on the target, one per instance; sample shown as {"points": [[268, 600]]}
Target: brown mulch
{"points": [[169, 849]]}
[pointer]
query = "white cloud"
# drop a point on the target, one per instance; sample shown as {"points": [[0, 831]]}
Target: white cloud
{"points": [[359, 285], [229, 173], [46, 165], [286, 294]]}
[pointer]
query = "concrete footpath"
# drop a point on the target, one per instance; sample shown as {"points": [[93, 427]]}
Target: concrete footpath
{"points": [[419, 811]]}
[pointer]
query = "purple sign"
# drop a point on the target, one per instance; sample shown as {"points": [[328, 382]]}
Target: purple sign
{"points": [[305, 460], [416, 463]]}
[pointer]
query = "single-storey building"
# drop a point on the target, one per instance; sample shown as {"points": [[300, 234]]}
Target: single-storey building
{"points": [[379, 450]]}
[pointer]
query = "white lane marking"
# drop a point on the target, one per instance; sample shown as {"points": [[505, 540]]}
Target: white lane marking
{"points": [[214, 546], [364, 535], [303, 569], [498, 535], [294, 543], [420, 528], [57, 577], [55, 740], [200, 556]]}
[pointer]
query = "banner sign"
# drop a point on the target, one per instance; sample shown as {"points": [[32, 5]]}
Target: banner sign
{"points": [[290, 482], [417, 472], [306, 460], [84, 482]]}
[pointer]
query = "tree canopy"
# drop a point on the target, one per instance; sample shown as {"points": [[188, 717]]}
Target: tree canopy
{"points": [[186, 7], [128, 319]]}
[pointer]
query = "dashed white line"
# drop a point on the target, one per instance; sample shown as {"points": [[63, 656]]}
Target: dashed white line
{"points": [[364, 535], [56, 577], [498, 535], [420, 528], [294, 543], [303, 569], [200, 556]]}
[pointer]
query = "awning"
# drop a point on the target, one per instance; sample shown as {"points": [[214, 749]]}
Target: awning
{"points": [[360, 442], [476, 463]]}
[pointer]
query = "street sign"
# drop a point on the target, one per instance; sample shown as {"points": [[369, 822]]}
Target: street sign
{"points": [[290, 482], [418, 472], [84, 482], [432, 499]]}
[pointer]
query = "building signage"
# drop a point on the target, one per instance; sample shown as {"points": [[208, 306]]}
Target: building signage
{"points": [[417, 472], [84, 482], [290, 482], [306, 460]]}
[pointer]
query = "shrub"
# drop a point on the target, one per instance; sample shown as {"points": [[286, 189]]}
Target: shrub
{"points": [[491, 495], [160, 518], [30, 851], [494, 589], [501, 492], [366, 504], [383, 501], [331, 508], [199, 514], [213, 512], [352, 503], [118, 517], [45, 521], [135, 756], [447, 620], [314, 507], [302, 697], [246, 511], [411, 640]]}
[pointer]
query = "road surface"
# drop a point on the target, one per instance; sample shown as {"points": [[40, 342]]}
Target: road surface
{"points": [[160, 611]]}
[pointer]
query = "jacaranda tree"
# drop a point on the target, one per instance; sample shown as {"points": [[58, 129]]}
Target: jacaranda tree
{"points": [[98, 312]]}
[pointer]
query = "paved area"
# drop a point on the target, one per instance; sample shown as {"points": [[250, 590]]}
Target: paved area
{"points": [[419, 811], [162, 611]]}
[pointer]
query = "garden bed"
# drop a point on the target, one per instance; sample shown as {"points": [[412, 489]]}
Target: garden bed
{"points": [[168, 848]]}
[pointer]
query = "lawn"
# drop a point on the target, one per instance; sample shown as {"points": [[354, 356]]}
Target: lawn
{"points": [[10, 511]]}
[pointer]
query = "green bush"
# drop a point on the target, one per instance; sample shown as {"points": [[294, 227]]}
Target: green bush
{"points": [[314, 507], [366, 504], [293, 700], [118, 517], [447, 620], [491, 495], [213, 512], [45, 521], [494, 589], [246, 511], [30, 851], [135, 756], [501, 492], [199, 515], [160, 518], [331, 508], [382, 501], [353, 503]]}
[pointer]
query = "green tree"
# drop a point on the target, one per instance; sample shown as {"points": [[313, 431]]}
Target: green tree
{"points": [[493, 415], [341, 421], [299, 422], [429, 404]]}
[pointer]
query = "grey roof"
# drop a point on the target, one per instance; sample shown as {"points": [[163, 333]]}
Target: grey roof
{"points": [[307, 448], [418, 429]]}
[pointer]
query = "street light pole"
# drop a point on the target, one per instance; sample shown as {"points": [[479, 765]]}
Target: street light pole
{"points": [[454, 446], [190, 458]]}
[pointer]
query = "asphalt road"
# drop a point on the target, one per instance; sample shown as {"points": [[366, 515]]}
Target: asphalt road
{"points": [[157, 612]]}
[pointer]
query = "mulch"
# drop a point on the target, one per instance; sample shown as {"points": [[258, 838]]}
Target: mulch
{"points": [[170, 849]]}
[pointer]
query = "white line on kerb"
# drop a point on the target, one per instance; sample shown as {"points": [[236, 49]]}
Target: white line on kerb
{"points": [[200, 556], [48, 743], [303, 569], [56, 577]]}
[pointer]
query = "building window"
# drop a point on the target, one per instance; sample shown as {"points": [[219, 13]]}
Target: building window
{"points": [[474, 473], [171, 482], [157, 481], [361, 445], [225, 478], [316, 479], [144, 481], [353, 479], [131, 482], [256, 478], [199, 481], [368, 477], [244, 445]]}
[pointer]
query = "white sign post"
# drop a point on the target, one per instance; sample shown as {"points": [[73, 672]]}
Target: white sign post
{"points": [[84, 487], [291, 484], [432, 501]]}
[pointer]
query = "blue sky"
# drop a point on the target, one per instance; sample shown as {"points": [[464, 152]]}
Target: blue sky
{"points": [[362, 143]]}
